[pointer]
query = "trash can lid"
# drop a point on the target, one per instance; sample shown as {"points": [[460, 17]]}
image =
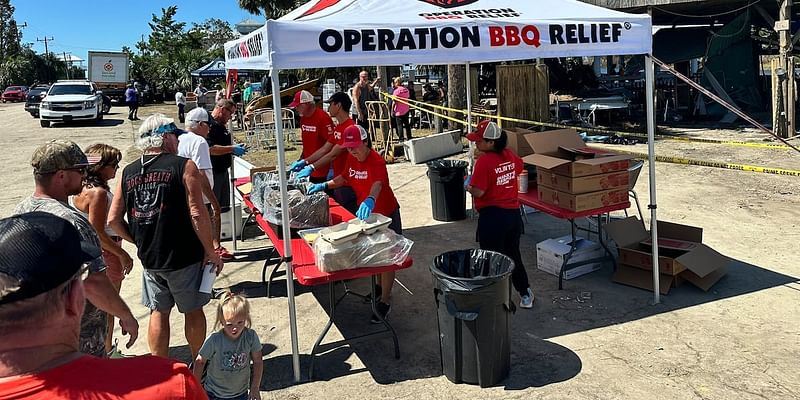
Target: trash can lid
{"points": [[447, 164], [472, 264]]}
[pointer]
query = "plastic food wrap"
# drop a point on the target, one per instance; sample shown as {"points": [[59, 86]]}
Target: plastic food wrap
{"points": [[381, 248], [306, 211]]}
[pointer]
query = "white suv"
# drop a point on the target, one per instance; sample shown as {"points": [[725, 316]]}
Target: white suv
{"points": [[71, 100]]}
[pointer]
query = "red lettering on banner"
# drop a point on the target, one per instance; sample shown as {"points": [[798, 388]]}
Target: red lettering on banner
{"points": [[511, 35], [496, 36], [530, 35]]}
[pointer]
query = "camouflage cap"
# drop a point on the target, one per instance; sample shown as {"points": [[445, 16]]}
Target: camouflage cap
{"points": [[60, 154]]}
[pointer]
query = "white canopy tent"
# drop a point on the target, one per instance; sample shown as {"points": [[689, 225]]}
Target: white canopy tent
{"points": [[338, 33]]}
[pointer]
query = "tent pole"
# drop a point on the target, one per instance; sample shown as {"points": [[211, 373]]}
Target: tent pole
{"points": [[287, 241], [469, 116], [651, 155]]}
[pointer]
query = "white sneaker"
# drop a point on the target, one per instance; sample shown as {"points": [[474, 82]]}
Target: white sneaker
{"points": [[527, 300]]}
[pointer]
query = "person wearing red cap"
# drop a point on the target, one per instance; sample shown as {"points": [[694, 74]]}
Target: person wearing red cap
{"points": [[316, 126], [332, 153], [493, 185], [365, 171]]}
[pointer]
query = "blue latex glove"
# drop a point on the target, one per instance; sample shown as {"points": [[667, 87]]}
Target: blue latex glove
{"points": [[297, 165], [365, 209], [238, 149], [317, 187], [305, 172], [467, 181]]}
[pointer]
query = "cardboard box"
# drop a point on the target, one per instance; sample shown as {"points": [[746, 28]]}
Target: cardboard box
{"points": [[584, 201], [584, 184], [550, 154], [637, 277], [517, 142], [550, 256], [697, 263]]}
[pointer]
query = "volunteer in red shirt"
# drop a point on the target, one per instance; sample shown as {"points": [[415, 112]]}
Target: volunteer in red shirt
{"points": [[315, 128], [332, 153], [493, 185], [365, 171]]}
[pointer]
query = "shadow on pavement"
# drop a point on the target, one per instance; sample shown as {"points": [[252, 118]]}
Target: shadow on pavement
{"points": [[588, 302]]}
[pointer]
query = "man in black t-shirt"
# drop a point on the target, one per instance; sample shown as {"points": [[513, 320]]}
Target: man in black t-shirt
{"points": [[222, 149], [161, 194]]}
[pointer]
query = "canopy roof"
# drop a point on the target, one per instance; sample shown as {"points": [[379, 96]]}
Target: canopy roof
{"points": [[332, 33], [215, 68]]}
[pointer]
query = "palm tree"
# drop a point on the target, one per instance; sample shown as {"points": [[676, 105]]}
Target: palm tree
{"points": [[271, 9]]}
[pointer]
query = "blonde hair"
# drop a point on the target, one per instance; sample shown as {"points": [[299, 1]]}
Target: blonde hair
{"points": [[397, 81], [233, 304]]}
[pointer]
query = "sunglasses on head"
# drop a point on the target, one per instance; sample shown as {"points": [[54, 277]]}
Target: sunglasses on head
{"points": [[168, 128]]}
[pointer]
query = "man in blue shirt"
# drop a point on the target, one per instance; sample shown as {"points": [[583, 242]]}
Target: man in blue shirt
{"points": [[132, 99]]}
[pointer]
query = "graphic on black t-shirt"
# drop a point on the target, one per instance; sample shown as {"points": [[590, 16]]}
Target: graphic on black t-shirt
{"points": [[148, 191]]}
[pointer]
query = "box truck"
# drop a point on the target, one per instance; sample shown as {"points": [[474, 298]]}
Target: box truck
{"points": [[110, 71]]}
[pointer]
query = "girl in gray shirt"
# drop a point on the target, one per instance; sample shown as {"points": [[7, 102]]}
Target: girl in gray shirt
{"points": [[228, 353]]}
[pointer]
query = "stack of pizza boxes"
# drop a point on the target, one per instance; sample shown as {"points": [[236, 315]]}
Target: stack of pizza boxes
{"points": [[575, 177]]}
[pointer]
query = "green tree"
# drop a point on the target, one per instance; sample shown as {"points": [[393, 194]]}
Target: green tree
{"points": [[214, 32], [167, 56], [272, 9]]}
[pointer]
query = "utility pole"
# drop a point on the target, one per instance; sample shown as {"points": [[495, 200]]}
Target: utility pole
{"points": [[46, 52], [783, 27]]}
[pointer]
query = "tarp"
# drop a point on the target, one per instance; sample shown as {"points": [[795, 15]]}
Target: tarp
{"points": [[336, 33], [215, 68]]}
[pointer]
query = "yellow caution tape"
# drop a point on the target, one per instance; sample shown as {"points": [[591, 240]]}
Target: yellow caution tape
{"points": [[714, 164], [772, 146]]}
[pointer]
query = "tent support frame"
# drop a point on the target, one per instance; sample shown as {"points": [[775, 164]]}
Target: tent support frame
{"points": [[287, 243]]}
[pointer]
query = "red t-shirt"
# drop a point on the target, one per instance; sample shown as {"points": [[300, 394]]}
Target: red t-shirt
{"points": [[496, 174], [145, 377], [315, 130], [336, 138], [361, 175]]}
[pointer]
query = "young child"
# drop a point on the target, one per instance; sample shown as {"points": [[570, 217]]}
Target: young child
{"points": [[228, 353]]}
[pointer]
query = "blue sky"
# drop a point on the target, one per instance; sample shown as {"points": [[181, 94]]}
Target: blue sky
{"points": [[78, 26]]}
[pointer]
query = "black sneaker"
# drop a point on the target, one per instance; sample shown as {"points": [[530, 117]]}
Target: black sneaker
{"points": [[383, 309]]}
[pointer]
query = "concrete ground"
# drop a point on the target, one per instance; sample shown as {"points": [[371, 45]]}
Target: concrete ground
{"points": [[593, 340]]}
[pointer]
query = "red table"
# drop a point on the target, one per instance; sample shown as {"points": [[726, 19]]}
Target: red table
{"points": [[531, 199], [304, 266]]}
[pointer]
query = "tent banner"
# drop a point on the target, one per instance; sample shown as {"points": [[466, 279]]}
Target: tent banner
{"points": [[329, 33], [248, 52]]}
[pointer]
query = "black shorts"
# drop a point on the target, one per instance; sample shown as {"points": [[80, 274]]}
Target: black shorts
{"points": [[222, 190]]}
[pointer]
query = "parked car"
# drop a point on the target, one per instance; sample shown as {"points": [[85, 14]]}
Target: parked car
{"points": [[71, 100], [35, 96], [15, 93]]}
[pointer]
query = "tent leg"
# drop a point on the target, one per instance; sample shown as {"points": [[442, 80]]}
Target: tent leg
{"points": [[287, 242], [651, 154], [469, 113], [233, 205]]}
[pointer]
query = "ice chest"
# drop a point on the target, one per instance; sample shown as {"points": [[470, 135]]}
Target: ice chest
{"points": [[550, 256], [682, 255]]}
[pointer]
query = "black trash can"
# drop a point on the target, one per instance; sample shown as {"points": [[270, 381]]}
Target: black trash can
{"points": [[448, 197], [473, 297]]}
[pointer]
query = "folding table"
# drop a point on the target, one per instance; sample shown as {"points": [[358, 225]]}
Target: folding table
{"points": [[304, 266], [531, 199]]}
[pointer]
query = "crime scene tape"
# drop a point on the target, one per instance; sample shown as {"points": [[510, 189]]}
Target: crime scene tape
{"points": [[666, 159], [772, 146], [714, 164]]}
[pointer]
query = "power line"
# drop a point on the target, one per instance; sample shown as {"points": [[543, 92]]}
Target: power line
{"points": [[749, 4], [45, 43]]}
